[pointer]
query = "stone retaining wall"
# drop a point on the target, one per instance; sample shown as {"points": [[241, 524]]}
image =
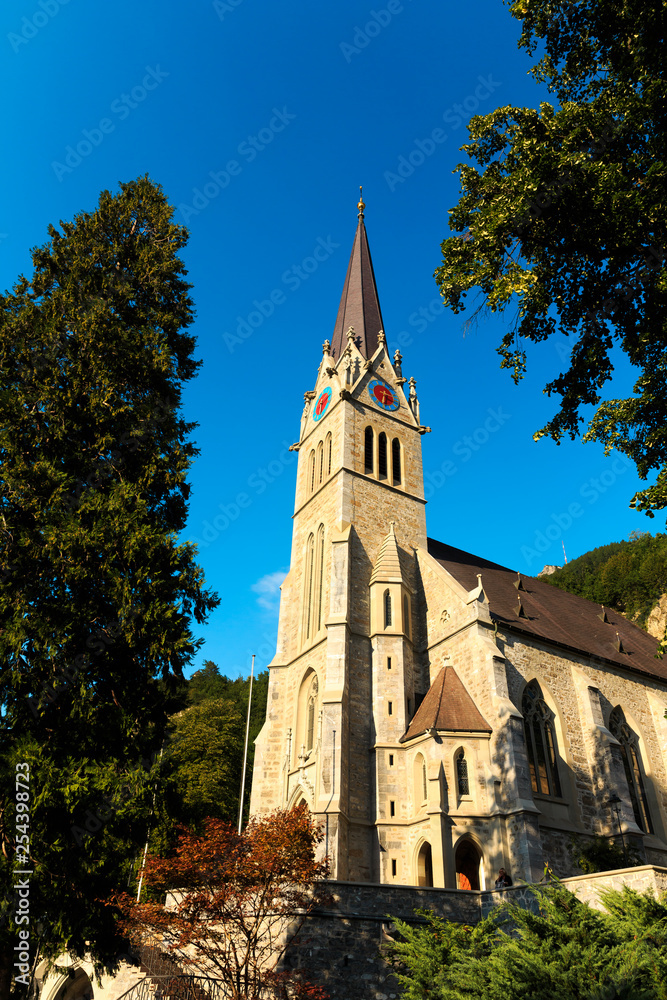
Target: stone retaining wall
{"points": [[342, 947]]}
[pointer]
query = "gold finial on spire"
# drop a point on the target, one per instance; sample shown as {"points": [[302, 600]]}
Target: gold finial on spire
{"points": [[361, 205]]}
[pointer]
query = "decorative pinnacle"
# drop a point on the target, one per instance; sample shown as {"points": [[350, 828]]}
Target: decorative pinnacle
{"points": [[326, 347], [361, 205]]}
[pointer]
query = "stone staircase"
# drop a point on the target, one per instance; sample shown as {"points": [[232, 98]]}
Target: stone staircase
{"points": [[164, 979]]}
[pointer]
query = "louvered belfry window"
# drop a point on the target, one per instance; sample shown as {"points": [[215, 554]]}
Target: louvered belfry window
{"points": [[382, 455], [619, 728], [540, 742], [368, 450], [396, 462]]}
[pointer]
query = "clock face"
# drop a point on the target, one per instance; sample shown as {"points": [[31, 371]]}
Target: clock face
{"points": [[383, 396], [322, 403]]}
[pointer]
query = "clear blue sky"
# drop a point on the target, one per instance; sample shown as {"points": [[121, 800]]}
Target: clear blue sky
{"points": [[260, 120]]}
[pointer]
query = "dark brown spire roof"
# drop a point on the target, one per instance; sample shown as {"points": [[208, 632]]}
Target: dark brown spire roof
{"points": [[447, 706], [553, 615], [359, 304]]}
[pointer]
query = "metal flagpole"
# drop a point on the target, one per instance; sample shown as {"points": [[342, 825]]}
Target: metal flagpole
{"points": [[245, 752]]}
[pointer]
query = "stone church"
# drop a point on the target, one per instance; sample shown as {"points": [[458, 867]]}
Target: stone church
{"points": [[441, 715]]}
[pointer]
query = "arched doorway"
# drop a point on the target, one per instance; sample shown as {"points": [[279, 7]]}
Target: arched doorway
{"points": [[425, 865], [76, 986], [468, 858]]}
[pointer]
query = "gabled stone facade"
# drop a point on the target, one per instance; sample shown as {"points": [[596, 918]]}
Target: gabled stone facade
{"points": [[441, 716]]}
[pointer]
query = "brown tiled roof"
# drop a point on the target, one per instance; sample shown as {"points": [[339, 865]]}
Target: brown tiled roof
{"points": [[447, 706], [551, 614], [359, 305]]}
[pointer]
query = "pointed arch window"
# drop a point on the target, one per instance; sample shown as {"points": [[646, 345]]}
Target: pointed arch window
{"points": [[541, 743], [311, 471], [320, 462], [396, 462], [327, 453], [320, 577], [406, 615], [462, 782], [382, 455], [387, 609], [308, 586], [420, 781], [619, 728], [311, 709], [368, 451]]}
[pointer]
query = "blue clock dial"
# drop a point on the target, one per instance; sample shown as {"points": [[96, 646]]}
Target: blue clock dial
{"points": [[322, 404], [383, 396]]}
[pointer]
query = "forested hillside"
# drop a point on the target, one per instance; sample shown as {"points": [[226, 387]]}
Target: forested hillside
{"points": [[628, 576], [202, 761]]}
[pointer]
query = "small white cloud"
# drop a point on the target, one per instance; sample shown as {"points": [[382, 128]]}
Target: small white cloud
{"points": [[268, 588]]}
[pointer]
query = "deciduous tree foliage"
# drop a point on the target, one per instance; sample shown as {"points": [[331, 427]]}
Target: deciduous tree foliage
{"points": [[97, 595], [238, 902], [562, 221], [564, 951]]}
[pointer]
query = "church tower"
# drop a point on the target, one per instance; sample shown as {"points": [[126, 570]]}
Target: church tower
{"points": [[346, 677], [441, 715]]}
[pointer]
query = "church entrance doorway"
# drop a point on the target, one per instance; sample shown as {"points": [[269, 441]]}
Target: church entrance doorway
{"points": [[468, 858], [425, 865]]}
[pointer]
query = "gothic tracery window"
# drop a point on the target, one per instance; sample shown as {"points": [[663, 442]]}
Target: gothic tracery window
{"points": [[320, 462], [462, 782], [540, 742], [619, 728], [311, 708]]}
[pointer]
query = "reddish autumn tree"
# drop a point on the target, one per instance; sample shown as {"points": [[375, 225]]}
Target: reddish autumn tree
{"points": [[236, 902]]}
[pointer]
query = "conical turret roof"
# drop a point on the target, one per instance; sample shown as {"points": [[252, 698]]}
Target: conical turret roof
{"points": [[447, 706], [387, 567], [359, 304]]}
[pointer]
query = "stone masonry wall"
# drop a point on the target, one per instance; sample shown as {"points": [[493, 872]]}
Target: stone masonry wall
{"points": [[343, 947]]}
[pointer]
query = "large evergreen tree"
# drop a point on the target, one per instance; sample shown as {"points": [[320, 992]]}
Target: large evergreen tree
{"points": [[561, 950], [97, 595], [562, 222]]}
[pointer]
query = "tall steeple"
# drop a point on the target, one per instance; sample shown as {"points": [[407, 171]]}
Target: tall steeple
{"points": [[359, 305]]}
